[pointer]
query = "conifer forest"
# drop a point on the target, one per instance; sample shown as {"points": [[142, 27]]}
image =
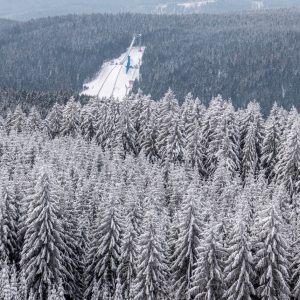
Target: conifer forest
{"points": [[144, 199], [149, 150]]}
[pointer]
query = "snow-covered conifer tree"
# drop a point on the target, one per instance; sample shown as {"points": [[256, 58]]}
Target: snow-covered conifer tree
{"points": [[168, 117], [44, 248], [272, 258], [149, 143], [127, 269], [5, 286], [88, 123], [142, 112], [211, 121], [271, 143], [34, 121], [224, 143], [175, 144], [118, 292], [104, 255], [71, 119], [252, 134], [288, 167], [152, 275], [8, 224], [239, 269], [125, 128], [195, 152], [208, 279], [54, 121], [14, 284], [18, 120], [190, 233]]}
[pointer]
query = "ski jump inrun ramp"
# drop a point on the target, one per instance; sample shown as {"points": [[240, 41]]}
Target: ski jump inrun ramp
{"points": [[116, 77]]}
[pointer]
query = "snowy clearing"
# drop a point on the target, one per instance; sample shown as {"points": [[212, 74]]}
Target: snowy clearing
{"points": [[195, 4], [258, 4], [112, 79]]}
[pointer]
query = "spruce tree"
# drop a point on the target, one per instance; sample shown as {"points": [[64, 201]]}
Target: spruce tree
{"points": [[288, 166], [5, 286], [195, 152], [18, 120], [152, 274], [8, 225], [125, 128], [104, 255], [175, 143], [208, 279], [71, 119], [239, 269], [211, 121], [271, 142], [168, 119], [88, 123], [54, 121], [252, 134], [189, 238], [127, 269], [149, 142], [34, 121], [118, 292], [272, 258], [224, 144], [44, 248]]}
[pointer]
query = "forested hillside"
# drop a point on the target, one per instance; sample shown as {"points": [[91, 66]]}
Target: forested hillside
{"points": [[4, 23], [28, 9], [241, 56], [43, 101], [145, 199]]}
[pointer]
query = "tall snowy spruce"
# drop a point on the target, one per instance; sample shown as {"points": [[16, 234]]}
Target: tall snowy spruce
{"points": [[252, 134], [208, 279], [194, 146], [224, 143], [272, 258], [239, 272], [54, 121], [170, 138], [149, 143], [71, 119], [125, 128], [105, 251], [88, 122], [211, 122], [272, 141], [295, 267], [288, 166], [152, 278], [43, 250], [190, 233], [34, 121], [8, 224], [127, 269]]}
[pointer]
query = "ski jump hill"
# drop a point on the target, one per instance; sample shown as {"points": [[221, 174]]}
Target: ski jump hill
{"points": [[116, 77]]}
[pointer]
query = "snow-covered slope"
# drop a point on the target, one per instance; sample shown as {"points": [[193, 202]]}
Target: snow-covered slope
{"points": [[221, 6], [112, 79], [27, 9]]}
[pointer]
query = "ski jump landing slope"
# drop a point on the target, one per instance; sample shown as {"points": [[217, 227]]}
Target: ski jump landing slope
{"points": [[112, 80]]}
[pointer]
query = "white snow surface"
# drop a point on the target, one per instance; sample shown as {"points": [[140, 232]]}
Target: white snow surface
{"points": [[258, 4], [112, 80], [195, 4]]}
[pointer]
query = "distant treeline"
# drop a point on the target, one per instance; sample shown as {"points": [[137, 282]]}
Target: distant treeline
{"points": [[43, 101], [241, 56]]}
